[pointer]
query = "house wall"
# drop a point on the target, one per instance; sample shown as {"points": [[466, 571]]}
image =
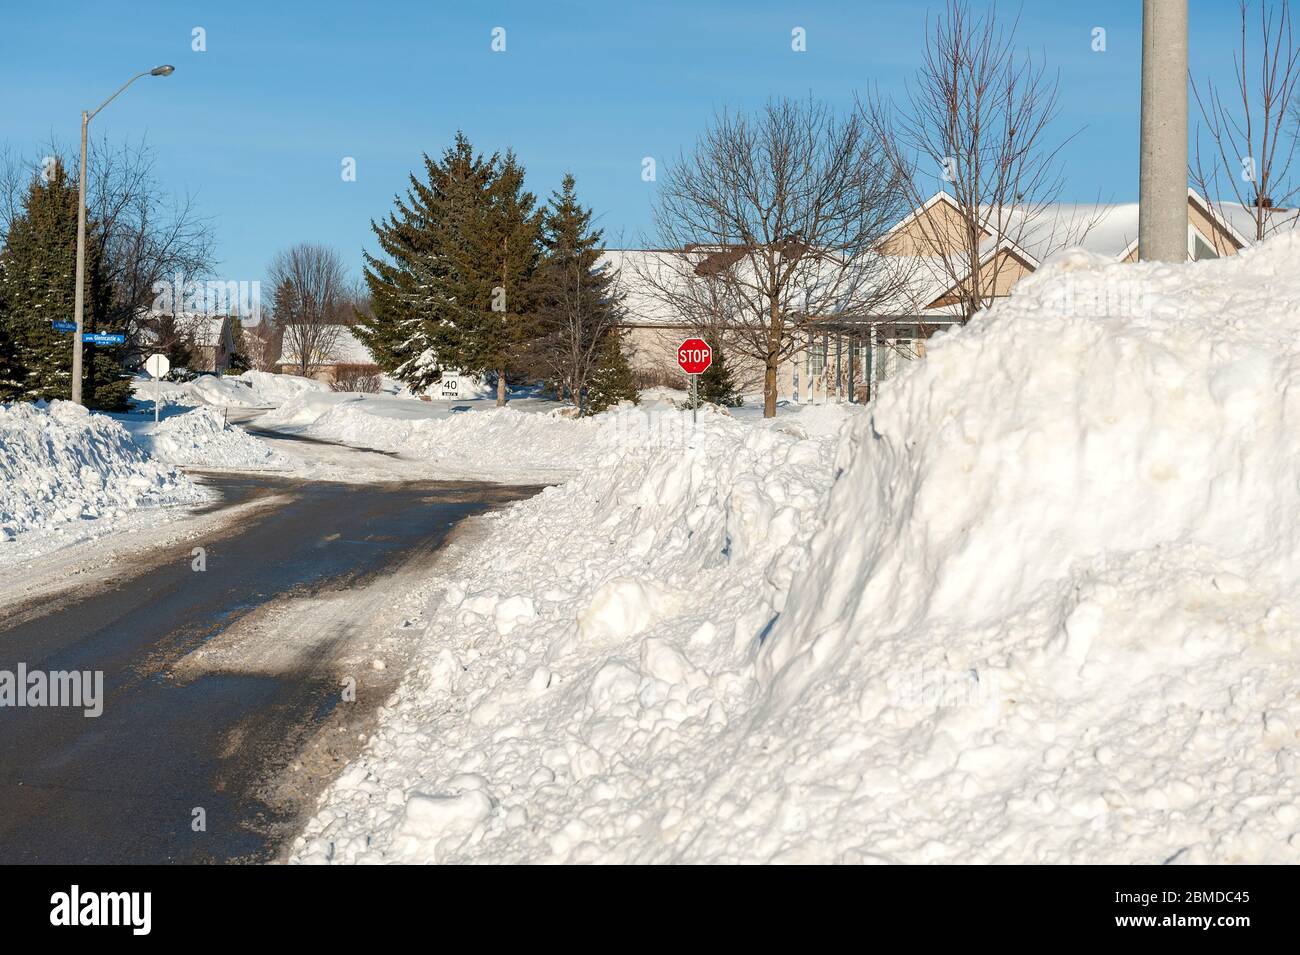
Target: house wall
{"points": [[996, 278], [938, 230], [653, 348]]}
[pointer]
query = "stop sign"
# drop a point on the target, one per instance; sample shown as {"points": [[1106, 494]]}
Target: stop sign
{"points": [[695, 356]]}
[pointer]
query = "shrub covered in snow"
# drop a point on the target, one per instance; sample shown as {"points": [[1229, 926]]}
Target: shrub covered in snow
{"points": [[60, 463]]}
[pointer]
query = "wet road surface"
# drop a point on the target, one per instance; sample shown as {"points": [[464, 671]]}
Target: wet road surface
{"points": [[124, 787]]}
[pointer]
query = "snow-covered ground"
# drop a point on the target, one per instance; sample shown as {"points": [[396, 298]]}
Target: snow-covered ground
{"points": [[1035, 604], [66, 475]]}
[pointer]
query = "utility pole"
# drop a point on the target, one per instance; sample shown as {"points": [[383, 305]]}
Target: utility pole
{"points": [[1162, 206], [80, 298]]}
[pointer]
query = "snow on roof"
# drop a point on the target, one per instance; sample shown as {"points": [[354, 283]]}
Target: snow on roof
{"points": [[203, 329], [644, 272], [1107, 229], [345, 349]]}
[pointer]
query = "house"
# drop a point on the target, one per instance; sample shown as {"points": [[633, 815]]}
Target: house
{"points": [[845, 360], [209, 339], [333, 346]]}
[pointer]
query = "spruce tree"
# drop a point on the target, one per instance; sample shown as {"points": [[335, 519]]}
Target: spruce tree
{"points": [[716, 386], [495, 264], [412, 330], [611, 382], [239, 362], [38, 287], [576, 302]]}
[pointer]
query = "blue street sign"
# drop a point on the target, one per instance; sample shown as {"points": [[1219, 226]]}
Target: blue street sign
{"points": [[64, 326], [99, 338]]}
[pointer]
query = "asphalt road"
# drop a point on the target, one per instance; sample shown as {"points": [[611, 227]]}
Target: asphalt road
{"points": [[173, 738]]}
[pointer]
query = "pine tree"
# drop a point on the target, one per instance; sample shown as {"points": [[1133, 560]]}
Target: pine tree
{"points": [[239, 362], [38, 287], [495, 260], [577, 301], [716, 385], [411, 331], [611, 382]]}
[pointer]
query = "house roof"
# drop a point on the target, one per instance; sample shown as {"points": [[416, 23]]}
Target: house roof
{"points": [[203, 329], [346, 349], [1108, 229]]}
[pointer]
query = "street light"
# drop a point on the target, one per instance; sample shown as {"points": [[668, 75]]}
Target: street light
{"points": [[165, 70], [1162, 170]]}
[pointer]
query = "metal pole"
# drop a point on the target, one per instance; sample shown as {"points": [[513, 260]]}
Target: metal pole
{"points": [[695, 397], [1162, 207], [80, 302]]}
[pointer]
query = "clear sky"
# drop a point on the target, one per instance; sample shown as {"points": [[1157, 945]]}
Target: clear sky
{"points": [[258, 125]]}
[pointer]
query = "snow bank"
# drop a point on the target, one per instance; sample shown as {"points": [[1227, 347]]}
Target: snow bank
{"points": [[252, 389], [60, 464], [602, 629], [489, 442], [202, 438], [1070, 634], [1037, 606]]}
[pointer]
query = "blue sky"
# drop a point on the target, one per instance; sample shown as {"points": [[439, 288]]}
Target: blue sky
{"points": [[257, 126]]}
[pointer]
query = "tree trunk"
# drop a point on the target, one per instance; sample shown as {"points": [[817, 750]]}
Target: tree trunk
{"points": [[501, 387], [769, 387]]}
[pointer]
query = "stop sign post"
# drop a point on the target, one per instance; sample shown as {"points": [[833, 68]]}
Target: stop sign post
{"points": [[157, 365], [694, 356]]}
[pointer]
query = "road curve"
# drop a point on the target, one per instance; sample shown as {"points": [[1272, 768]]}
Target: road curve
{"points": [[216, 681]]}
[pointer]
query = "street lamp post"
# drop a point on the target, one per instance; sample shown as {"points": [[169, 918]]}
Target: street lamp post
{"points": [[81, 227], [1162, 207]]}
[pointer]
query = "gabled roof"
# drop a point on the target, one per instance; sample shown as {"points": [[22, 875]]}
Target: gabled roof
{"points": [[939, 198], [345, 349], [1002, 245]]}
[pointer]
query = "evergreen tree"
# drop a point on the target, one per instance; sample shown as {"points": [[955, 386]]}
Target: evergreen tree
{"points": [[38, 287], [495, 259], [576, 302], [611, 382], [716, 385], [411, 330], [239, 362]]}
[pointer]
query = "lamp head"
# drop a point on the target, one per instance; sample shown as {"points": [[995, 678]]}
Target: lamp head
{"points": [[166, 70]]}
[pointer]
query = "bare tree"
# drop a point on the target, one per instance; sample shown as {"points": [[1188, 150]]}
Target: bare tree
{"points": [[148, 237], [1252, 124], [578, 307], [771, 225], [260, 344], [310, 286], [974, 124]]}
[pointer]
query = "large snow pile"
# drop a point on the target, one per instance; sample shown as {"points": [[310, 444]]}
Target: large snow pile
{"points": [[60, 463], [252, 389], [492, 441], [1045, 611], [203, 438], [592, 642]]}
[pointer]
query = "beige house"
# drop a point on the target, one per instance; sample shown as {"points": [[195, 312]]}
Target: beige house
{"points": [[209, 338], [846, 360], [336, 346]]}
